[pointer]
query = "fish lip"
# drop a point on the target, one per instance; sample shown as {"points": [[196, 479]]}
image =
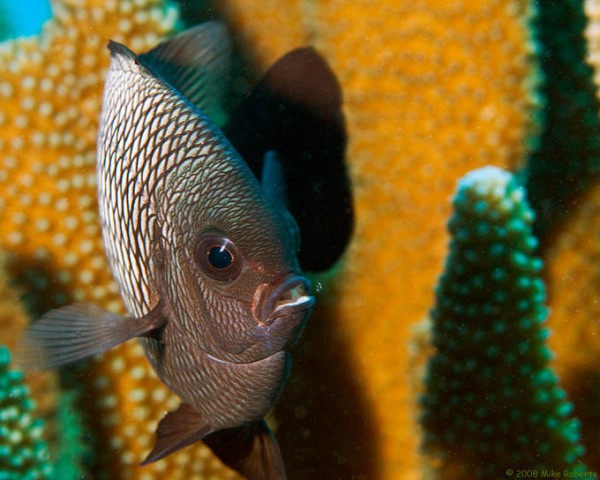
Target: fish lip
{"points": [[289, 296]]}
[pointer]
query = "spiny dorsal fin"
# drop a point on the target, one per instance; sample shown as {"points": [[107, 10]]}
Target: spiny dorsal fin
{"points": [[76, 331], [296, 110], [196, 63]]}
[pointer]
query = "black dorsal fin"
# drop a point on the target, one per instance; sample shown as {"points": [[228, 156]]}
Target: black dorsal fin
{"points": [[296, 111]]}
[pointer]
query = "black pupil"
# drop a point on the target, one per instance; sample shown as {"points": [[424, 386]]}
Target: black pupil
{"points": [[220, 258]]}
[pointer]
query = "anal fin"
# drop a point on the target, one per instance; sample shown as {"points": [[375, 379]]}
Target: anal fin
{"points": [[252, 450], [178, 430]]}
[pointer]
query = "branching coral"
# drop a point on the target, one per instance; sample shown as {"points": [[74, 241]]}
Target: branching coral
{"points": [[72, 449], [492, 402], [432, 89], [563, 176], [566, 161], [13, 319], [23, 451], [28, 448]]}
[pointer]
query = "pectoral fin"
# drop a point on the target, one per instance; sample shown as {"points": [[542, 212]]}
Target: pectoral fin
{"points": [[77, 331], [252, 450], [177, 430], [272, 179]]}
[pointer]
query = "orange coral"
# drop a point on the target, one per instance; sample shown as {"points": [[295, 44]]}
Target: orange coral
{"points": [[50, 90], [13, 320], [432, 90], [573, 276]]}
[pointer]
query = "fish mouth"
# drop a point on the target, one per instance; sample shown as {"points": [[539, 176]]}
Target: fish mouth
{"points": [[279, 309], [289, 296]]}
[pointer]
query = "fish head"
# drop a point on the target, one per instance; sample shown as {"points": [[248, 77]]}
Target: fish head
{"points": [[227, 263]]}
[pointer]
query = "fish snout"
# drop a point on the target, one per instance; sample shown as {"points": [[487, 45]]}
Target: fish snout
{"points": [[289, 296]]}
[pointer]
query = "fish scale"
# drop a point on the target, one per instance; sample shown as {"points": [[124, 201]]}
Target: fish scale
{"points": [[115, 177]]}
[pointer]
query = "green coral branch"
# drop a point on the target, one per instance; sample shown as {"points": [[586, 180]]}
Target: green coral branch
{"points": [[24, 453], [569, 116], [491, 400], [73, 450]]}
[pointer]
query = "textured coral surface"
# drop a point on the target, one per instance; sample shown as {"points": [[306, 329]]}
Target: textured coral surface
{"points": [[432, 89], [23, 449], [50, 91]]}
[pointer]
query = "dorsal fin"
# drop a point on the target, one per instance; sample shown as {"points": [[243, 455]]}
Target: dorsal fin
{"points": [[196, 63], [296, 110]]}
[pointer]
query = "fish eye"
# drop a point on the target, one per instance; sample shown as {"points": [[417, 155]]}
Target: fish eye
{"points": [[218, 258]]}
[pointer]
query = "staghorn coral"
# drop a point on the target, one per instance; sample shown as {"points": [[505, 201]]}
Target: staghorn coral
{"points": [[27, 449], [13, 320], [23, 451], [492, 401], [571, 124], [72, 449]]}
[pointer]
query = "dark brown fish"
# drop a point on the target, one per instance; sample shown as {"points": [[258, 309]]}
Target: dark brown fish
{"points": [[205, 258]]}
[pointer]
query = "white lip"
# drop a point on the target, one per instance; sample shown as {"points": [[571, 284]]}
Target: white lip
{"points": [[304, 299], [293, 306], [289, 296]]}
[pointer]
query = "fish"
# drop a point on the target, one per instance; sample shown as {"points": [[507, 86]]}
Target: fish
{"points": [[204, 255]]}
